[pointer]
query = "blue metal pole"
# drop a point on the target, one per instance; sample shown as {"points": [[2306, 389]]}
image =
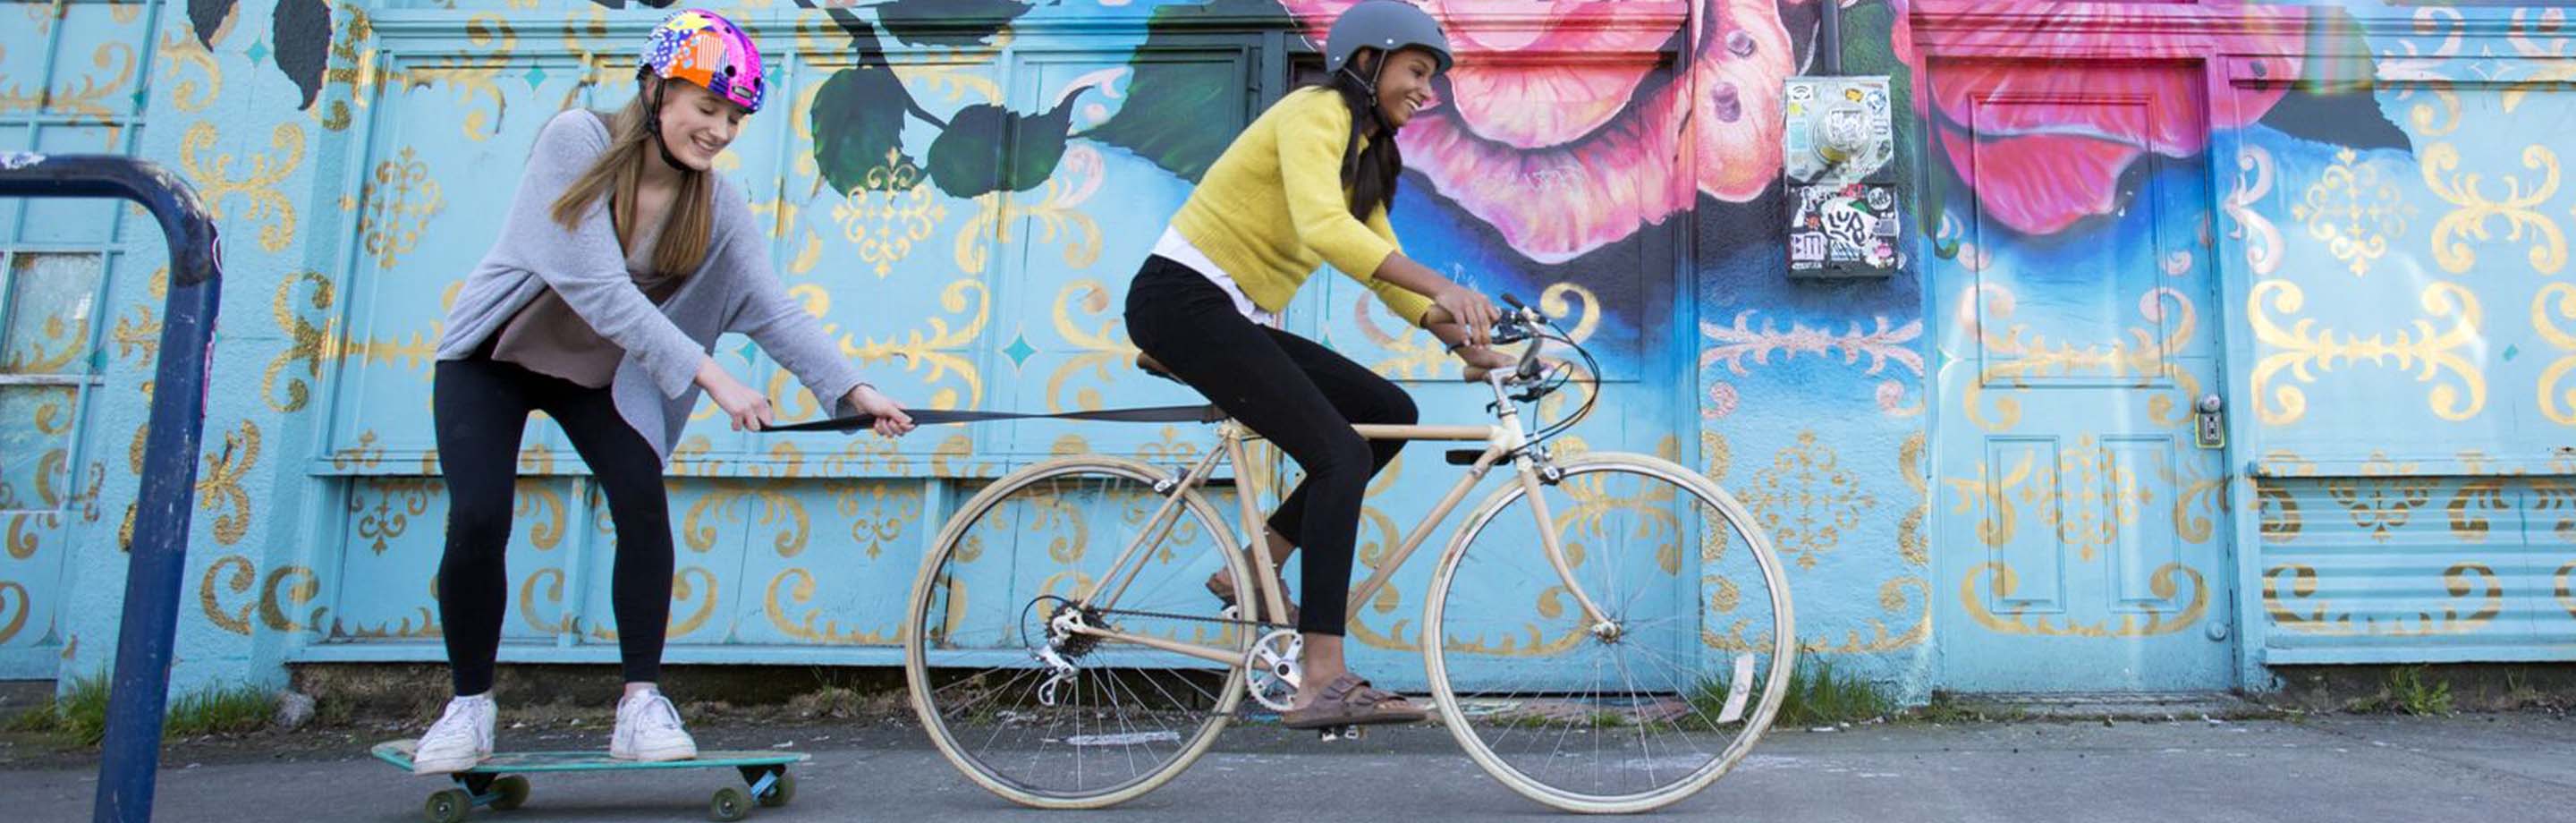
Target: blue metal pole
{"points": [[141, 681]]}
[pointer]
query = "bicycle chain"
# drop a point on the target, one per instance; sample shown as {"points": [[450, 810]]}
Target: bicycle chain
{"points": [[1175, 616]]}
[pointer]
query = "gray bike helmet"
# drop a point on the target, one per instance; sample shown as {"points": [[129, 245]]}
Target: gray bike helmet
{"points": [[1387, 25]]}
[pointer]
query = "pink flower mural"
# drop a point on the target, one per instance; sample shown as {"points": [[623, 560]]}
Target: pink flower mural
{"points": [[1564, 155], [2041, 168]]}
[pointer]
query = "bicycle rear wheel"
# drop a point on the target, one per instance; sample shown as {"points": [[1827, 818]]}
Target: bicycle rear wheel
{"points": [[1650, 706], [1053, 719]]}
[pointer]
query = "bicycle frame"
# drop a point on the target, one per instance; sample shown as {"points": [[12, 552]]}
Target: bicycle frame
{"points": [[1505, 436]]}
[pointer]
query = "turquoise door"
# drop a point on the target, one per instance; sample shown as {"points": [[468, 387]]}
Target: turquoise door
{"points": [[2081, 537]]}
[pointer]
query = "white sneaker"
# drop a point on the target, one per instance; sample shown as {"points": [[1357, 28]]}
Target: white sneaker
{"points": [[461, 738], [648, 729]]}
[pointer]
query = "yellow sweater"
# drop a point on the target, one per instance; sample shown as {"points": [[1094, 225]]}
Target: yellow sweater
{"points": [[1273, 207]]}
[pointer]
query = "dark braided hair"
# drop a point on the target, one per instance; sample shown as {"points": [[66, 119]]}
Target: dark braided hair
{"points": [[1370, 175]]}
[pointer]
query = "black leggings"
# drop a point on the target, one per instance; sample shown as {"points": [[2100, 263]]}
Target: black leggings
{"points": [[482, 407], [1293, 392]]}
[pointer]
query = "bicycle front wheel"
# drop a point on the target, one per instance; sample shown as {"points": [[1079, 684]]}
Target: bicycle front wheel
{"points": [[1638, 710], [1053, 719]]}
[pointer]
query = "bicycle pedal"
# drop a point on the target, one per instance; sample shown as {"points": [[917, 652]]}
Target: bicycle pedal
{"points": [[1336, 734]]}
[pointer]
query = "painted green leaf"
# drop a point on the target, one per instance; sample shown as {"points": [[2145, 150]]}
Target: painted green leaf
{"points": [[858, 120], [301, 30], [989, 148], [210, 18]]}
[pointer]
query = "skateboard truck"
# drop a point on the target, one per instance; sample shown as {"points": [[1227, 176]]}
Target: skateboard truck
{"points": [[1336, 734]]}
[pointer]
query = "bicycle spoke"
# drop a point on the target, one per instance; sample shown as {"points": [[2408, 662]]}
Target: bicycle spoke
{"points": [[1566, 691], [1076, 719]]}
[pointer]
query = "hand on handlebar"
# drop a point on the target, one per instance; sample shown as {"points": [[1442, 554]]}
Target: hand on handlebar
{"points": [[1471, 309], [1484, 359]]}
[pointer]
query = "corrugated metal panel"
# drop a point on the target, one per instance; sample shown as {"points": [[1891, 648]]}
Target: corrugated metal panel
{"points": [[2388, 568]]}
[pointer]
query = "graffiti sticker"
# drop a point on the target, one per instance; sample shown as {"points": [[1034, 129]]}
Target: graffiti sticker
{"points": [[1848, 229]]}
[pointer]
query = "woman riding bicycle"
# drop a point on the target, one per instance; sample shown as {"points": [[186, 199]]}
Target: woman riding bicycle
{"points": [[1310, 182], [622, 259]]}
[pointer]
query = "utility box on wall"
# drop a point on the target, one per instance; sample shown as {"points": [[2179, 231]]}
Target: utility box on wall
{"points": [[1837, 171]]}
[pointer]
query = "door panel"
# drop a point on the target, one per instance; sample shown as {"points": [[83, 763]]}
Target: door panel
{"points": [[2080, 537]]}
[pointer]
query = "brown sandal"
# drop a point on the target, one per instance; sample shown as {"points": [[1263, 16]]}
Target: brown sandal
{"points": [[1351, 701]]}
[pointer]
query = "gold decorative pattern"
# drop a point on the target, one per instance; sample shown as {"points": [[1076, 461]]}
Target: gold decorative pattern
{"points": [[219, 486], [16, 615], [243, 576], [2459, 581], [2556, 403], [777, 508], [2355, 209], [180, 51], [397, 501], [2468, 506], [1103, 351], [308, 343], [473, 76], [1898, 597], [2413, 70], [540, 502], [1079, 175], [301, 585], [349, 66], [553, 593], [2165, 583], [879, 512], [2518, 208], [287, 587], [400, 199], [2085, 496], [258, 187], [1807, 500], [2304, 350], [2198, 498], [892, 208], [682, 592], [2565, 592], [92, 100], [2278, 516], [2558, 496], [2017, 354], [1910, 535], [138, 336], [797, 586], [2385, 497], [942, 349]]}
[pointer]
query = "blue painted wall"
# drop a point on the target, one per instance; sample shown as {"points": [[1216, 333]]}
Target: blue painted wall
{"points": [[963, 200]]}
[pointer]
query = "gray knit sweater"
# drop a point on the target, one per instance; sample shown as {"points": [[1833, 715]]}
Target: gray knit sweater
{"points": [[734, 291]]}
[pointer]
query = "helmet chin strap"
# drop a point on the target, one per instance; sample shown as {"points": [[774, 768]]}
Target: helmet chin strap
{"points": [[653, 120], [1369, 85]]}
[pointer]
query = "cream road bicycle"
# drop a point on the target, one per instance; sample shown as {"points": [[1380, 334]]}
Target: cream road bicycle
{"points": [[1606, 632]]}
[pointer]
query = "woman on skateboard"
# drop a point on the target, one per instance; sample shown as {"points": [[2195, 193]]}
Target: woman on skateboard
{"points": [[1309, 182], [623, 258]]}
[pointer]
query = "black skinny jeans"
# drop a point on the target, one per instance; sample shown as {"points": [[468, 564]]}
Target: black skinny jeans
{"points": [[1293, 392], [481, 407]]}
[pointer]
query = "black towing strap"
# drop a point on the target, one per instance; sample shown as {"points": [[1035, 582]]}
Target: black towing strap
{"points": [[1203, 413]]}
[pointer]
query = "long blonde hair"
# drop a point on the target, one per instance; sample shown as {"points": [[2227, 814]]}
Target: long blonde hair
{"points": [[687, 230]]}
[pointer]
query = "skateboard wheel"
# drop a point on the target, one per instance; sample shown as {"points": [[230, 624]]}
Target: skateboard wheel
{"points": [[780, 792], [730, 804], [447, 806], [510, 791]]}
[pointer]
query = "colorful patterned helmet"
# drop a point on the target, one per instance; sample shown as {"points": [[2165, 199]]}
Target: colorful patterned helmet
{"points": [[702, 47]]}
